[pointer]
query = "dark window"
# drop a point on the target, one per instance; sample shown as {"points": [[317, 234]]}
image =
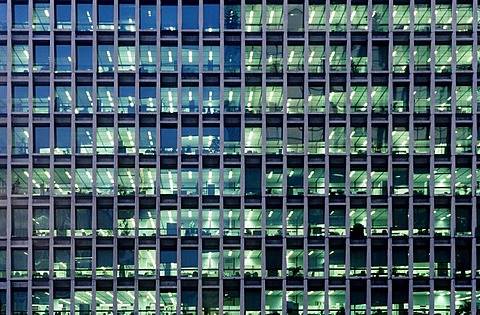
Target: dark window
{"points": [[169, 17], [190, 17], [84, 57], [42, 140]]}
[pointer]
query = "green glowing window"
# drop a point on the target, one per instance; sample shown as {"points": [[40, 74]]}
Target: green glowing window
{"points": [[380, 17], [401, 17], [295, 58], [464, 57], [358, 140], [422, 15], [316, 99], [421, 99], [337, 99], [274, 101], [274, 17], [463, 135], [359, 17], [464, 17], [253, 58], [337, 139], [401, 58], [443, 58], [316, 59], [422, 58], [316, 16], [443, 16], [338, 17], [253, 18], [338, 58], [464, 99], [358, 182], [442, 178]]}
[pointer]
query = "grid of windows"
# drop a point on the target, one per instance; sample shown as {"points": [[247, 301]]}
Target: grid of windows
{"points": [[239, 157]]}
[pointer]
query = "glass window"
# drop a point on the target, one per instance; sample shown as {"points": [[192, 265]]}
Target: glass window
{"points": [[20, 98], [62, 181], [126, 99], [211, 99], [105, 16], [274, 58], [169, 60], [253, 58], [105, 96], [83, 222], [148, 98], [3, 140], [190, 99], [211, 58], [84, 17], [84, 142], [41, 99], [63, 61], [190, 60], [168, 140], [62, 221], [295, 58], [126, 17], [3, 58], [443, 58], [464, 22], [105, 181], [63, 16], [232, 59], [84, 57], [148, 58], [41, 57], [169, 17], [105, 222], [19, 222], [464, 57], [3, 27], [421, 99], [443, 16], [20, 57], [126, 58], [211, 17], [19, 264], [169, 100], [41, 140], [253, 17], [401, 17], [295, 18], [84, 99], [105, 58], [232, 17], [20, 16], [380, 17], [359, 17], [20, 139], [232, 137], [63, 140], [422, 17], [40, 265], [316, 16], [338, 17], [41, 17], [148, 17], [190, 17]]}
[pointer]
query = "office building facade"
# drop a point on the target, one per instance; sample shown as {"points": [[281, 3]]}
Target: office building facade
{"points": [[239, 157]]}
